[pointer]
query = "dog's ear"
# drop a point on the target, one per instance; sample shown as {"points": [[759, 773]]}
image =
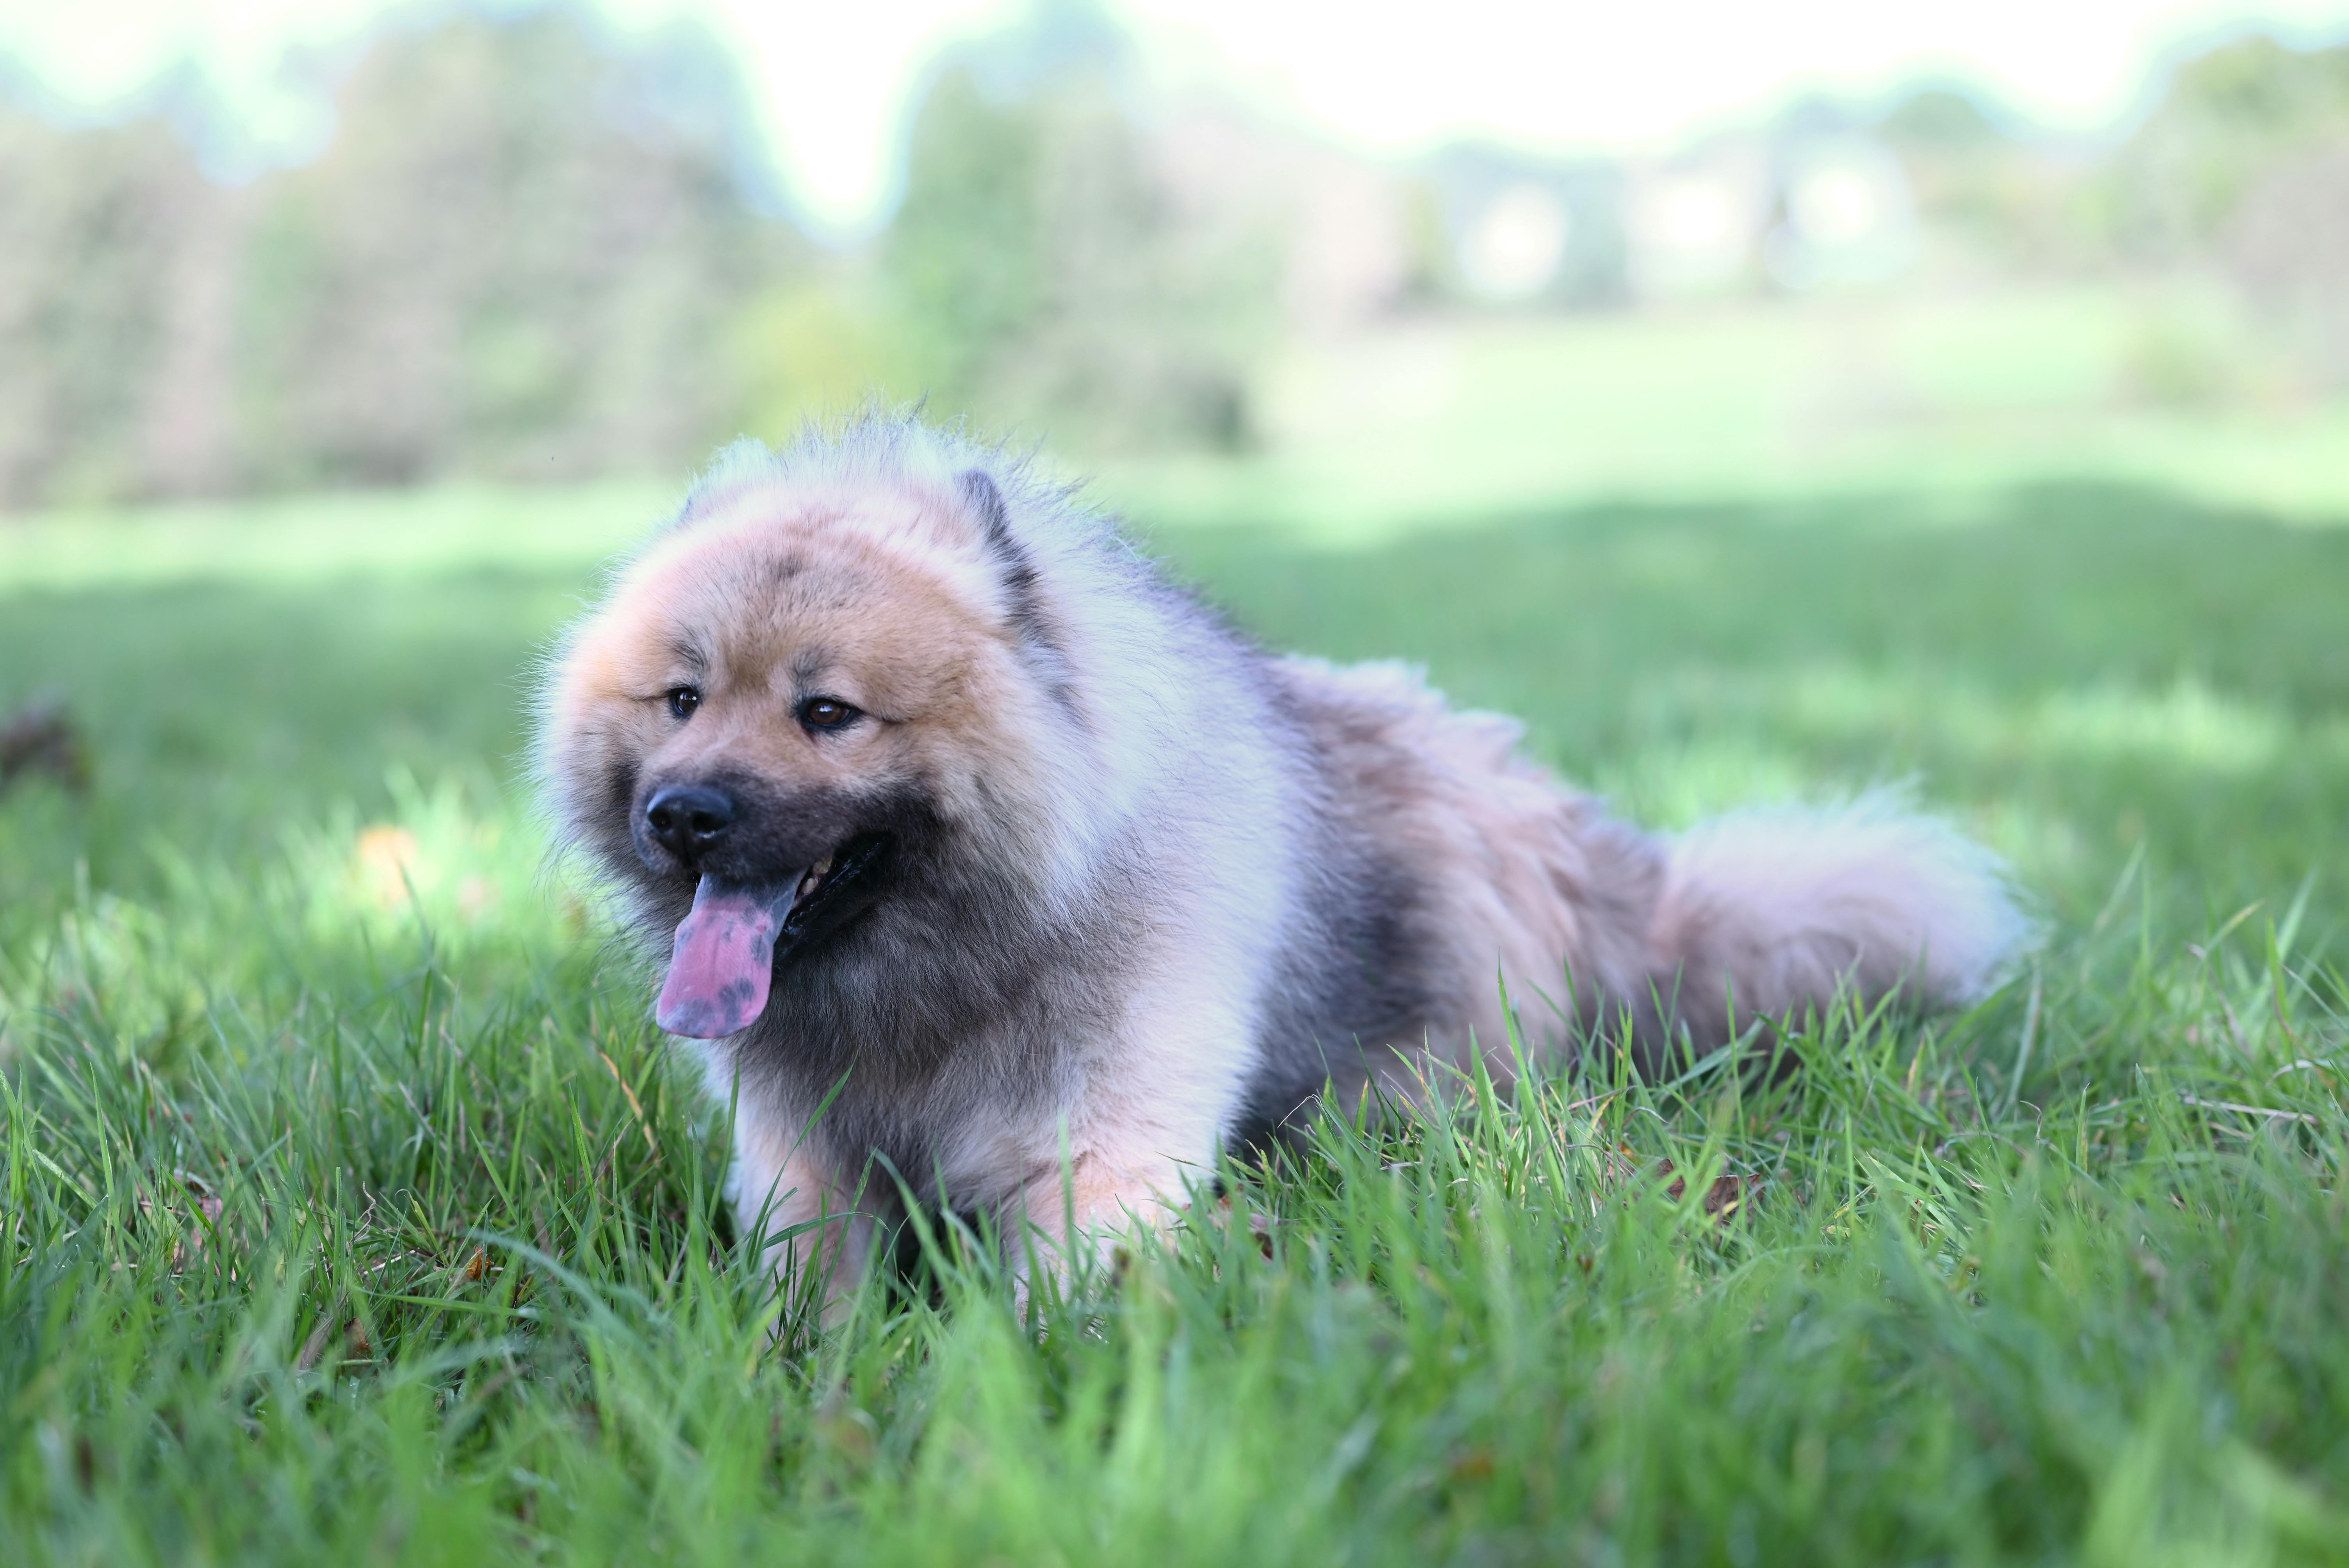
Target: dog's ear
{"points": [[1023, 603], [984, 500], [980, 494]]}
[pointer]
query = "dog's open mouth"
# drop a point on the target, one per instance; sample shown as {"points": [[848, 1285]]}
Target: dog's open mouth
{"points": [[724, 960]]}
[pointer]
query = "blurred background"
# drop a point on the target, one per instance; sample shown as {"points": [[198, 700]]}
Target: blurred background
{"points": [[1765, 403], [260, 249]]}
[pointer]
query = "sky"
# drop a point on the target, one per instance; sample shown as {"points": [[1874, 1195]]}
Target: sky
{"points": [[832, 79]]}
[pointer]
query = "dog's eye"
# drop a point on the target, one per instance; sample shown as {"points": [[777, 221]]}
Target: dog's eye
{"points": [[683, 700], [826, 713]]}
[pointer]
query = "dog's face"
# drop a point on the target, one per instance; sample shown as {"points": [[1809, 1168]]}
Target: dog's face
{"points": [[778, 709]]}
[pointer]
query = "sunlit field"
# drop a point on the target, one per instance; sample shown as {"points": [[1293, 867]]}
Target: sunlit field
{"points": [[1947, 399], [354, 1210]]}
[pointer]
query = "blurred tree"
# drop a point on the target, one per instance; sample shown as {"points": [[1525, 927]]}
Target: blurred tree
{"points": [[969, 249], [2225, 118], [114, 259], [515, 258], [1050, 272], [527, 252], [817, 347], [1942, 118], [1993, 197], [2244, 165], [524, 253]]}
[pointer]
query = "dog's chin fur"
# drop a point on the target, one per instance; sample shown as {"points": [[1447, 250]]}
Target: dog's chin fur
{"points": [[1150, 889]]}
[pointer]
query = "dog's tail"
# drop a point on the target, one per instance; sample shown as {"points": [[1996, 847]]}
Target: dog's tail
{"points": [[1773, 912]]}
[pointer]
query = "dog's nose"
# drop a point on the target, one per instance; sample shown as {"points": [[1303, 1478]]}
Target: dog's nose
{"points": [[689, 819]]}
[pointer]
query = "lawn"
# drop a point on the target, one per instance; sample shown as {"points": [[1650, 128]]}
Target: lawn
{"points": [[354, 1211]]}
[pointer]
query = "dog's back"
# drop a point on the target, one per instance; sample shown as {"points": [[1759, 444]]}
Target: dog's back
{"points": [[1503, 879]]}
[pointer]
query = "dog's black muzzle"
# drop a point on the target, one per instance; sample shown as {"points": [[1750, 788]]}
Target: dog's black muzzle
{"points": [[818, 856]]}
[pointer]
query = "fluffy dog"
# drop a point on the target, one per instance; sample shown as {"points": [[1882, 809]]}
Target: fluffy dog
{"points": [[964, 828]]}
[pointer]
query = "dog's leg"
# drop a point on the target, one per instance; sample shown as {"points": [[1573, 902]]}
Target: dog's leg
{"points": [[1144, 1130], [1105, 1199], [818, 1238]]}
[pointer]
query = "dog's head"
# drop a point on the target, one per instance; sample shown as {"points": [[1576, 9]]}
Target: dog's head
{"points": [[805, 691]]}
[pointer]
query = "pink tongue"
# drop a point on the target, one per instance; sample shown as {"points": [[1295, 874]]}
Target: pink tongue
{"points": [[724, 958]]}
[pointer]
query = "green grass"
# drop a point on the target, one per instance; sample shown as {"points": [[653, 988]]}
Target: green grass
{"points": [[1965, 394], [354, 1214]]}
